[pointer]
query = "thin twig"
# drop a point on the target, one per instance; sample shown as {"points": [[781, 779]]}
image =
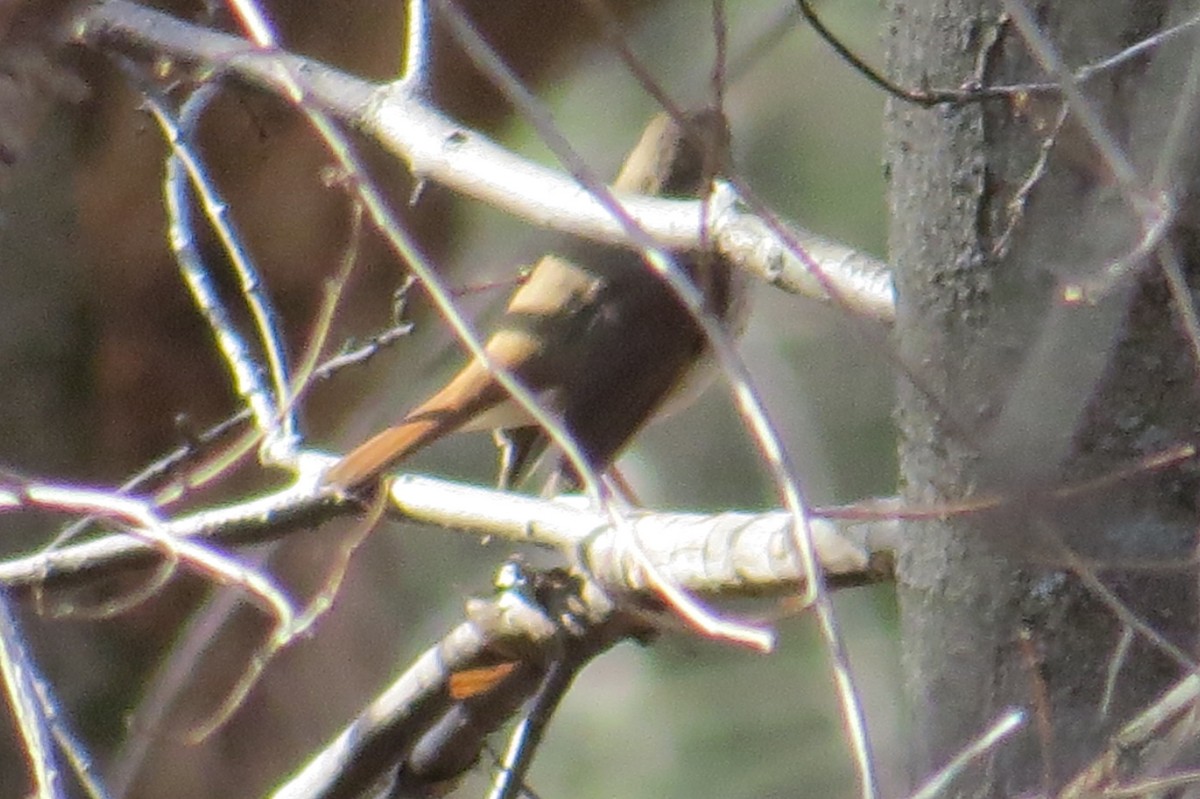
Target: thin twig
{"points": [[417, 40], [922, 97], [245, 370], [525, 739], [662, 263], [438, 148], [753, 414], [142, 523], [940, 782], [975, 91], [1109, 150], [747, 551], [392, 726], [38, 717], [20, 677]]}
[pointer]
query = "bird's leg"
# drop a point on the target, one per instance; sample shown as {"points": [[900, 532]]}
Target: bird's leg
{"points": [[520, 447]]}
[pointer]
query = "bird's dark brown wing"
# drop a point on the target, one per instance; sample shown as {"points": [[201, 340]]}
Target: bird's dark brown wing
{"points": [[597, 333]]}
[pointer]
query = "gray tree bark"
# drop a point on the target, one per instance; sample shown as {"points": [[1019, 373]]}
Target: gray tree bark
{"points": [[1014, 392]]}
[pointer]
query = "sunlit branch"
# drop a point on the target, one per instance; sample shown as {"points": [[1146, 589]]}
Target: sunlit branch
{"points": [[438, 148], [724, 554]]}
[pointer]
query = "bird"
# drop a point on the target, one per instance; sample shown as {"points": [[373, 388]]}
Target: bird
{"points": [[594, 333]]}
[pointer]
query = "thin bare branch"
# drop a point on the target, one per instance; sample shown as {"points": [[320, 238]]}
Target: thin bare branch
{"points": [[144, 525], [37, 713], [655, 255], [20, 678], [267, 405], [417, 722], [1175, 706], [940, 782], [730, 553], [1149, 206], [258, 28], [415, 74], [747, 402], [525, 739], [438, 148]]}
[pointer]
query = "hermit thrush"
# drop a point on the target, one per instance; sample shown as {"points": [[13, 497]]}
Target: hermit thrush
{"points": [[594, 333]]}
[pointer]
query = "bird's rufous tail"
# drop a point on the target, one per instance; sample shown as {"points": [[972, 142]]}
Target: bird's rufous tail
{"points": [[471, 392]]}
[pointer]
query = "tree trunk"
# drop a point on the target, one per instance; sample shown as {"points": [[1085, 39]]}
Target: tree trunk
{"points": [[1014, 391]]}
